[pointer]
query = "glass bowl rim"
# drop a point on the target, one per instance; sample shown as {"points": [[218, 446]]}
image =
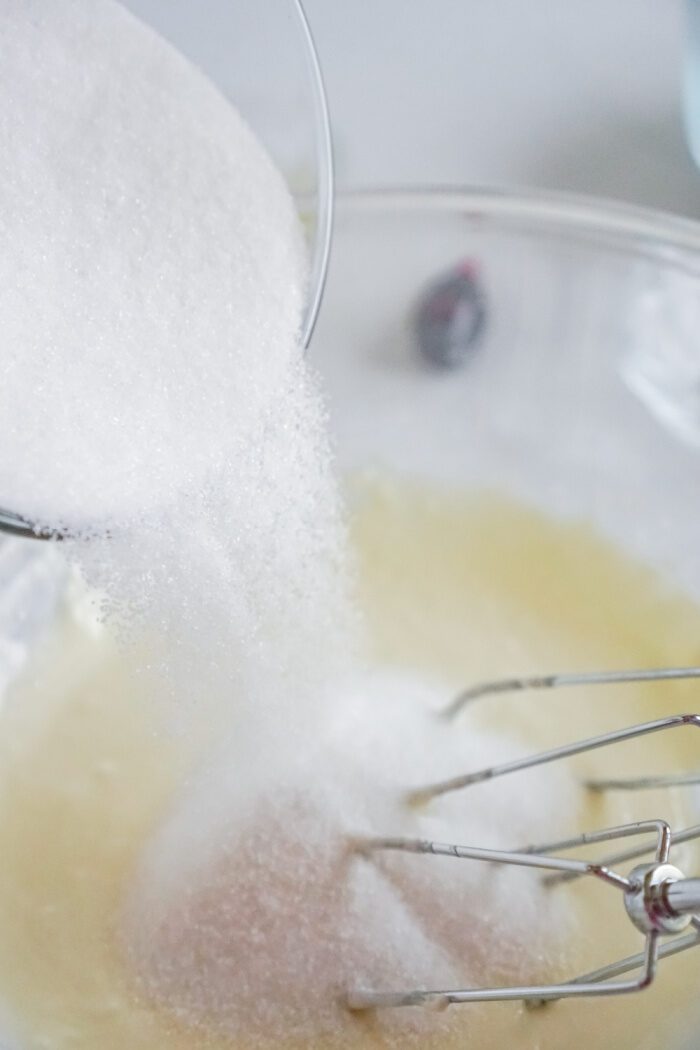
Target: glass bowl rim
{"points": [[641, 231], [672, 239]]}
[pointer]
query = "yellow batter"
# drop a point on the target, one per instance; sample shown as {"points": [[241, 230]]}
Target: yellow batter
{"points": [[468, 588]]}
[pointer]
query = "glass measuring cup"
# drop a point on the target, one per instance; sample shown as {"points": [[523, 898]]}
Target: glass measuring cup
{"points": [[263, 57]]}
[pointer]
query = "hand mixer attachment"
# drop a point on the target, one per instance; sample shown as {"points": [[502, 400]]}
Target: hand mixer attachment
{"points": [[659, 900]]}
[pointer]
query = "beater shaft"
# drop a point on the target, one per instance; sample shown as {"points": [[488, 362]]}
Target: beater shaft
{"points": [[563, 679]]}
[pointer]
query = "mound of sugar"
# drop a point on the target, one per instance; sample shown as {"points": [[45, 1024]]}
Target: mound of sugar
{"points": [[250, 915], [152, 273]]}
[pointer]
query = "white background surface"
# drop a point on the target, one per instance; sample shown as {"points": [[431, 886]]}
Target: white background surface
{"points": [[582, 95]]}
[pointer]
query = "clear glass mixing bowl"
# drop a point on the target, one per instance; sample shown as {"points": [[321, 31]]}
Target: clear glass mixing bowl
{"points": [[583, 393], [580, 395], [262, 56]]}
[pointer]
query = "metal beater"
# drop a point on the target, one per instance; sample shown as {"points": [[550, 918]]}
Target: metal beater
{"points": [[659, 900], [15, 525]]}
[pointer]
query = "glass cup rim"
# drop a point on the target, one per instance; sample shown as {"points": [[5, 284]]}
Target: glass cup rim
{"points": [[325, 190]]}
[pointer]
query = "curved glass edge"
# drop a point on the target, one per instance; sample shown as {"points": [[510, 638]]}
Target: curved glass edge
{"points": [[638, 229], [326, 182]]}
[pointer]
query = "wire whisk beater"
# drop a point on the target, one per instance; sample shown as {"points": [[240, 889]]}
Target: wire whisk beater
{"points": [[659, 899]]}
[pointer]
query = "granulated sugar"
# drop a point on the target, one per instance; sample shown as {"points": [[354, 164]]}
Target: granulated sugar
{"points": [[152, 378], [153, 271], [251, 914], [155, 400]]}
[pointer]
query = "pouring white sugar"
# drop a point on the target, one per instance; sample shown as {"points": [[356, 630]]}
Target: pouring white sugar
{"points": [[155, 399], [152, 257]]}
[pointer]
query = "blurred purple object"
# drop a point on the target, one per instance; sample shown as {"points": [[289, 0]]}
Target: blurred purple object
{"points": [[451, 317]]}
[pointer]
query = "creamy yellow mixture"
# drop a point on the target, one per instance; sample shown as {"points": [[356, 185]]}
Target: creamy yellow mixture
{"points": [[461, 587]]}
